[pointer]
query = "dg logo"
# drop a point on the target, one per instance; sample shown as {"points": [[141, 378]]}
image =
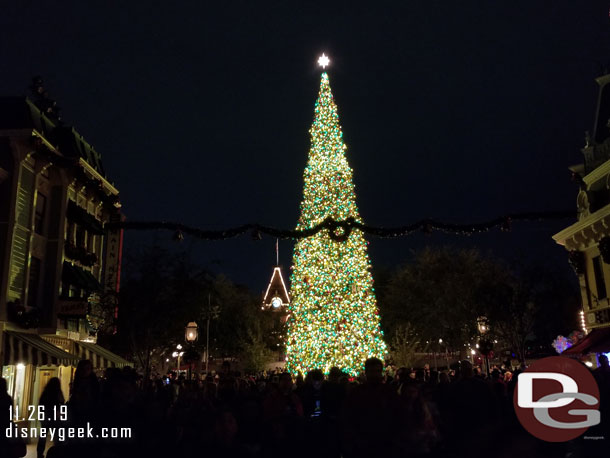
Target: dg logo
{"points": [[556, 399]]}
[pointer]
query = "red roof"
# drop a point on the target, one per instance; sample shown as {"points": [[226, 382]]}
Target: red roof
{"points": [[597, 341]]}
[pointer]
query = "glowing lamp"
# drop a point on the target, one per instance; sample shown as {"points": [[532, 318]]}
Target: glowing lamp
{"points": [[482, 324], [190, 332]]}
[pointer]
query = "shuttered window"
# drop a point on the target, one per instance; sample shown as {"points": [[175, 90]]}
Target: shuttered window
{"points": [[21, 234], [600, 281]]}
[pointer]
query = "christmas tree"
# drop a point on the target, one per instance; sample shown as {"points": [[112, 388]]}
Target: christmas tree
{"points": [[333, 318]]}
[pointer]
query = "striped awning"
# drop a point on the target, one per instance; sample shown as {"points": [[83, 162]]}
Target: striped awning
{"points": [[25, 348], [100, 357], [83, 279]]}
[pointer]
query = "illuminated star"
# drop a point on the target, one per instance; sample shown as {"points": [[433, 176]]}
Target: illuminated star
{"points": [[323, 61]]}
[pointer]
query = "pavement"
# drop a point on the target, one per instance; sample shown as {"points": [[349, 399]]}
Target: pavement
{"points": [[32, 450]]}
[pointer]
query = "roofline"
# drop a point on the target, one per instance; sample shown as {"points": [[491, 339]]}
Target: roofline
{"points": [[570, 231], [279, 271], [89, 168]]}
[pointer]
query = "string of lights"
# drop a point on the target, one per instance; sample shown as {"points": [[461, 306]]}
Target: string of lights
{"points": [[340, 230]]}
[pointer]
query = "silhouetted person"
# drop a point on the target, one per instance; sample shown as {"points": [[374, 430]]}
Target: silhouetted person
{"points": [[6, 402], [471, 410], [420, 376], [603, 371], [417, 433], [333, 394], [225, 370], [283, 413], [51, 399], [596, 448], [369, 416], [224, 443], [311, 393], [402, 377], [84, 395]]}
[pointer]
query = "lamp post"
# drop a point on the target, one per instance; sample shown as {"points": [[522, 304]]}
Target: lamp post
{"points": [[440, 342], [178, 354], [211, 313], [483, 327], [482, 324], [190, 335]]}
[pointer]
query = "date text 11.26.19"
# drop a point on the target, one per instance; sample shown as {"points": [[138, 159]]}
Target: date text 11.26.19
{"points": [[33, 413]]}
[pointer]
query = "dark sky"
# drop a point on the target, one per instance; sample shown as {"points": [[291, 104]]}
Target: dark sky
{"points": [[455, 110]]}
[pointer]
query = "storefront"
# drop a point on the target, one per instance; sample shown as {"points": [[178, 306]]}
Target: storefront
{"points": [[28, 362]]}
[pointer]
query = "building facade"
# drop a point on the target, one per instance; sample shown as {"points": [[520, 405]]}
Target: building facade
{"points": [[588, 240], [59, 269], [275, 303]]}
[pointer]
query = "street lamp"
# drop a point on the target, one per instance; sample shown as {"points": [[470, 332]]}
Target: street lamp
{"points": [[190, 332], [440, 342], [482, 324], [191, 335], [486, 345], [178, 354]]}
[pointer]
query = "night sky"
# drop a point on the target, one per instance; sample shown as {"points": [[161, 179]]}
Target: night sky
{"points": [[460, 111]]}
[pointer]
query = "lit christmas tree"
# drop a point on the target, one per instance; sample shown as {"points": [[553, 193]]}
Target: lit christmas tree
{"points": [[334, 320]]}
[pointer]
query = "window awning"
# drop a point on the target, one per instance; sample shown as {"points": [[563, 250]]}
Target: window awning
{"points": [[80, 215], [25, 348], [80, 278], [99, 356], [597, 341]]}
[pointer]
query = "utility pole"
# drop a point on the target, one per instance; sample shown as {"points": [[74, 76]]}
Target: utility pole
{"points": [[207, 337], [211, 313]]}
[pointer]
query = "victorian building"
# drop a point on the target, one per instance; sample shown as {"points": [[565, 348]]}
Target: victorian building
{"points": [[588, 240], [275, 302], [59, 269]]}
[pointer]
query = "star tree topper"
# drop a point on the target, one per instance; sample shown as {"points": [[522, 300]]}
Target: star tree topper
{"points": [[323, 61]]}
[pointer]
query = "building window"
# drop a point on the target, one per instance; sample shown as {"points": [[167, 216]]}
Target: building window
{"points": [[72, 325], [70, 232], [91, 243], [81, 237], [41, 205], [600, 282], [73, 292], [34, 282]]}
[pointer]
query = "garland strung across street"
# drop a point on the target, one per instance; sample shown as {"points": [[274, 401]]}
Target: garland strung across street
{"points": [[340, 230]]}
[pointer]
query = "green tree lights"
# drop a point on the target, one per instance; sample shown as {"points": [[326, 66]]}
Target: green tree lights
{"points": [[334, 320]]}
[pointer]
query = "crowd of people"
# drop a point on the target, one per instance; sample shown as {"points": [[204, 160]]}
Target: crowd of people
{"points": [[383, 413]]}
